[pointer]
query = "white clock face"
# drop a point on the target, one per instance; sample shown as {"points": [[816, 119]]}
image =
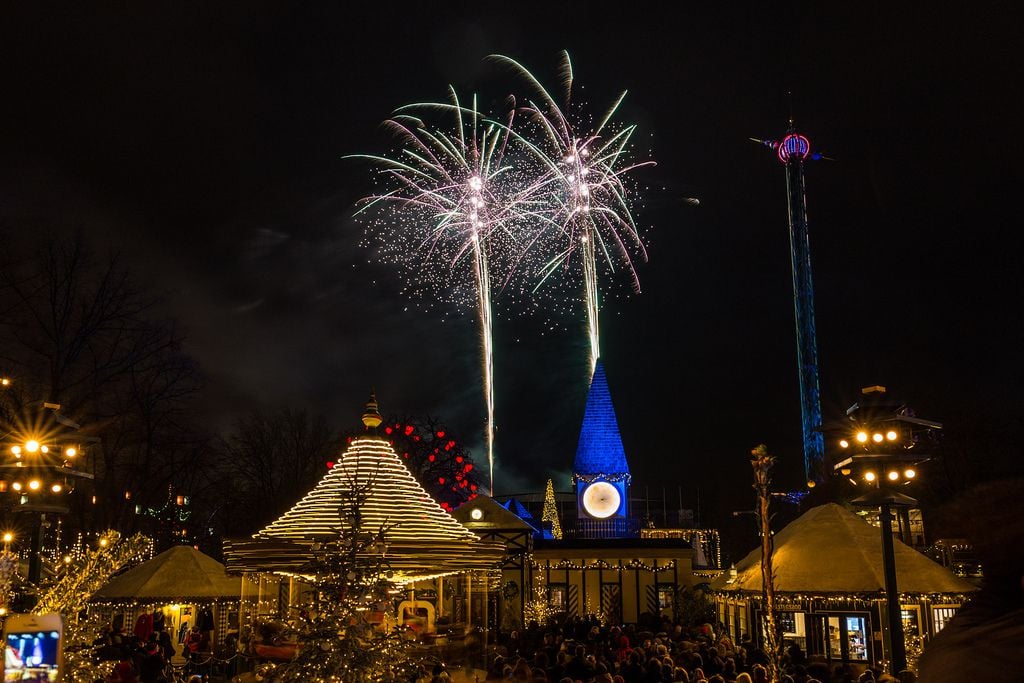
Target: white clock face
{"points": [[601, 499]]}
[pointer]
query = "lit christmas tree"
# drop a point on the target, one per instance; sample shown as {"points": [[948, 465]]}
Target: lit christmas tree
{"points": [[550, 513], [343, 633], [69, 596]]}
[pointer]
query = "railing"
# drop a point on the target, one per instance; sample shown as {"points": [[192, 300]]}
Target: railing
{"points": [[616, 527]]}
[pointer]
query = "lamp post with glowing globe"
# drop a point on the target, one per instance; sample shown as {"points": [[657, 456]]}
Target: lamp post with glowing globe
{"points": [[879, 448], [41, 462]]}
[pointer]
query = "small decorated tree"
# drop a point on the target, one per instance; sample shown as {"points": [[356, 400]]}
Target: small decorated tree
{"points": [[550, 513], [343, 631], [69, 596]]}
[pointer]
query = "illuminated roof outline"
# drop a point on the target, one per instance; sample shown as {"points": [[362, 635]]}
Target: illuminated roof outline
{"points": [[393, 500]]}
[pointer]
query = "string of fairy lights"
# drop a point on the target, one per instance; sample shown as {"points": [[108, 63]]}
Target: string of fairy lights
{"points": [[631, 565], [394, 499]]}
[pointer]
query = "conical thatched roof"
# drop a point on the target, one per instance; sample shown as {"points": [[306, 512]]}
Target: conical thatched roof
{"points": [[176, 575], [830, 550]]}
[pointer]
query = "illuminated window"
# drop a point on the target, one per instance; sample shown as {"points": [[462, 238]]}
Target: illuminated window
{"points": [[942, 615]]}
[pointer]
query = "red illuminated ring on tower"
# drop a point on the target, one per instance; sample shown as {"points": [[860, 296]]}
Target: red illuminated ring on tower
{"points": [[794, 145]]}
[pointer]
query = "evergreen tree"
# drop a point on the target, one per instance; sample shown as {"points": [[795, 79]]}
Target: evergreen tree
{"points": [[550, 513], [339, 638]]}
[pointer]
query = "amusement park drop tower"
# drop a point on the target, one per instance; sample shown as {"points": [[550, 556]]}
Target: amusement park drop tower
{"points": [[792, 151]]}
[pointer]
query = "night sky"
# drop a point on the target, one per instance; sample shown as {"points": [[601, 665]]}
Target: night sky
{"points": [[206, 143]]}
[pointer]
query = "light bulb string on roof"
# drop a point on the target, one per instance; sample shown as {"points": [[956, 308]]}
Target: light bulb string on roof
{"points": [[395, 495], [631, 565]]}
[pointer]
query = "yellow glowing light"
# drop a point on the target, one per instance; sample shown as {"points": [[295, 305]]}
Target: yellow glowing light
{"points": [[8, 537], [843, 443], [67, 559], [869, 476], [894, 475], [3, 611], [103, 542], [862, 437], [6, 382], [16, 486], [877, 437], [811, 483], [44, 449], [70, 451], [845, 471], [32, 446], [477, 514], [56, 488], [34, 484], [16, 450], [909, 474], [891, 435]]}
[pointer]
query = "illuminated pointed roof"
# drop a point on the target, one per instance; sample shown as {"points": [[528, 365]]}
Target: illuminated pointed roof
{"points": [[392, 499], [600, 448], [372, 490]]}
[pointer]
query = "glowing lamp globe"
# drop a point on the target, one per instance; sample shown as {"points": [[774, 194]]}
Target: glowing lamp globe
{"points": [[794, 147]]}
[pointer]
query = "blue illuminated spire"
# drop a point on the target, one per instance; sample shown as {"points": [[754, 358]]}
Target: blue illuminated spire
{"points": [[600, 448]]}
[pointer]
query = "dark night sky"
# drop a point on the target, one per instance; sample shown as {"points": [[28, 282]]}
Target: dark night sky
{"points": [[206, 142]]}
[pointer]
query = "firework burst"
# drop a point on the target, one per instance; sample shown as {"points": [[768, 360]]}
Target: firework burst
{"points": [[526, 200], [586, 216], [452, 208]]}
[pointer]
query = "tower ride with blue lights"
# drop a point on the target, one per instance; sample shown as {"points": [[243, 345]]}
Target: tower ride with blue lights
{"points": [[792, 151]]}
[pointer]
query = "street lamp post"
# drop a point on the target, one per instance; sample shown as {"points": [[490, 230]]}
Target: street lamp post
{"points": [[880, 446], [885, 501], [37, 473]]}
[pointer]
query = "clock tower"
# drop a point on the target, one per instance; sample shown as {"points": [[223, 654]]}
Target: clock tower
{"points": [[600, 472]]}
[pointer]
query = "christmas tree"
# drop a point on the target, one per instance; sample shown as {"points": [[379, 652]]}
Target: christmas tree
{"points": [[550, 513], [343, 632]]}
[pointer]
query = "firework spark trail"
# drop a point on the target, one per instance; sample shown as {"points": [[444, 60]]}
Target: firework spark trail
{"points": [[454, 197], [588, 210], [491, 202]]}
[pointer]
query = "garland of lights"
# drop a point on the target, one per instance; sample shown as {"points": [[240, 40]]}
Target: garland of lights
{"points": [[633, 565], [708, 539], [865, 598], [612, 477]]}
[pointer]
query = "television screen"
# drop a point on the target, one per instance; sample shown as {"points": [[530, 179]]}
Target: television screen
{"points": [[32, 657]]}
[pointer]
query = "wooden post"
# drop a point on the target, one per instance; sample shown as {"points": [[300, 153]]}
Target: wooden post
{"points": [[762, 463]]}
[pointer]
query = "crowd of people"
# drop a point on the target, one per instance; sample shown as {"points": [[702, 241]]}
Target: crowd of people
{"points": [[583, 651], [144, 655]]}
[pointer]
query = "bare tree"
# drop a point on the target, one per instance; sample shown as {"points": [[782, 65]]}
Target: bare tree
{"points": [[435, 456], [78, 332], [268, 462]]}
